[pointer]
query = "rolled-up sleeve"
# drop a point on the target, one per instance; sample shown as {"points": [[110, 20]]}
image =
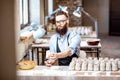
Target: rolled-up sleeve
{"points": [[74, 42]]}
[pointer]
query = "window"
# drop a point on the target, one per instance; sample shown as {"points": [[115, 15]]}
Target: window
{"points": [[29, 12], [23, 13], [35, 11]]}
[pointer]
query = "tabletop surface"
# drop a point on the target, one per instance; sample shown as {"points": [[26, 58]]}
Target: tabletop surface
{"points": [[45, 43], [64, 71]]}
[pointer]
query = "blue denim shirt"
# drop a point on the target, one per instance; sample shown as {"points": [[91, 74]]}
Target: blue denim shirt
{"points": [[73, 40]]}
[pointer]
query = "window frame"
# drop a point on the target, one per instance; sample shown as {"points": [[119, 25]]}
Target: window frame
{"points": [[24, 13], [27, 13]]}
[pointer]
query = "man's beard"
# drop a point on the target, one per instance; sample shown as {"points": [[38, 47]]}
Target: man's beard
{"points": [[62, 31]]}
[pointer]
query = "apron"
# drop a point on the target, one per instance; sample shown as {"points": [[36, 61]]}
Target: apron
{"points": [[65, 61]]}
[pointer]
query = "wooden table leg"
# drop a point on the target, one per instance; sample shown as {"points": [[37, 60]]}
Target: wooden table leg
{"points": [[32, 53], [37, 56]]}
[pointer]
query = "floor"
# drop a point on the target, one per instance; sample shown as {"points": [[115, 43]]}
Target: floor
{"points": [[110, 46]]}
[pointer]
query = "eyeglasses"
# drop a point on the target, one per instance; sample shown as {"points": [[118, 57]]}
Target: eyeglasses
{"points": [[61, 21]]}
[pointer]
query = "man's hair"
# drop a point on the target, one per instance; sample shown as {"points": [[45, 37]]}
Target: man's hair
{"points": [[62, 13]]}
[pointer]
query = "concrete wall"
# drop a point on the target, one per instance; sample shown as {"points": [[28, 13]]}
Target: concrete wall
{"points": [[103, 16], [100, 10]]}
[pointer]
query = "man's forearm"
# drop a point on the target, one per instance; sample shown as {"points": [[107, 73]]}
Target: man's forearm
{"points": [[64, 54]]}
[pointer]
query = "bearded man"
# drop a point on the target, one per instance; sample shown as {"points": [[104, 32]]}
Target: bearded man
{"points": [[64, 44]]}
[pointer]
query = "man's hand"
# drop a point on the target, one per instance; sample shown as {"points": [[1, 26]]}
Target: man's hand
{"points": [[49, 62], [53, 56]]}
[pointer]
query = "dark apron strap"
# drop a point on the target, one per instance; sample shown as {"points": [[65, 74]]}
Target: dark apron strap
{"points": [[64, 61]]}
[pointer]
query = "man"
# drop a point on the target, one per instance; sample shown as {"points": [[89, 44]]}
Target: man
{"points": [[63, 44]]}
